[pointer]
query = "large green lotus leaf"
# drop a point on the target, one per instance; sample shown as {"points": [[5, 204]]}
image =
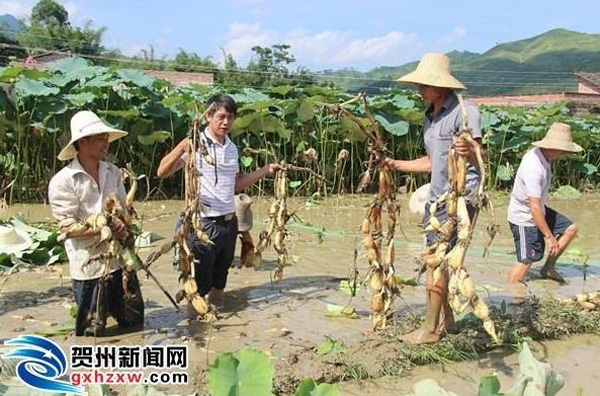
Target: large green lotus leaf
{"points": [[26, 87], [245, 120], [351, 130], [76, 67], [585, 168], [515, 143], [81, 99], [505, 172], [306, 110], [412, 116], [249, 96], [154, 110], [61, 80], [489, 386], [282, 90], [542, 380], [247, 373], [308, 387], [260, 105], [37, 234], [8, 73], [402, 102], [103, 81], [488, 120], [567, 192], [136, 77], [255, 371], [154, 137], [399, 128]]}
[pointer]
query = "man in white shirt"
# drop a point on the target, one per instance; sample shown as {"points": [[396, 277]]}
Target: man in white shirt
{"points": [[532, 223], [219, 180], [76, 192]]}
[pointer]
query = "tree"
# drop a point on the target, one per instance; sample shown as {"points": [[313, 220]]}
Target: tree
{"points": [[49, 13], [50, 30], [192, 62]]}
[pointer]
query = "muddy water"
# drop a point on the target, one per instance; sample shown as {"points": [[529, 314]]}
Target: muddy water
{"points": [[279, 318]]}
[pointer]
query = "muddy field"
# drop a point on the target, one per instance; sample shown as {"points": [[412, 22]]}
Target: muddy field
{"points": [[286, 318]]}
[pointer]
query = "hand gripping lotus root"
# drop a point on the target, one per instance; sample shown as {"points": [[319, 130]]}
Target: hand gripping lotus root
{"points": [[461, 288]]}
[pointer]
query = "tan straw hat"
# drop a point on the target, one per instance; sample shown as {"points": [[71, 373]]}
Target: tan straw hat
{"points": [[418, 199], [558, 137], [433, 70], [86, 123], [243, 212], [13, 240]]}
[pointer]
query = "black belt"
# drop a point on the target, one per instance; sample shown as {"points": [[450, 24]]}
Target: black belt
{"points": [[227, 217]]}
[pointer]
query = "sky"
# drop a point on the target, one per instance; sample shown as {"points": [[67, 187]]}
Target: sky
{"points": [[323, 34]]}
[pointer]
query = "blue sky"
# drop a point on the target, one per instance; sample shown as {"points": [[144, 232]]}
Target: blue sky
{"points": [[323, 34]]}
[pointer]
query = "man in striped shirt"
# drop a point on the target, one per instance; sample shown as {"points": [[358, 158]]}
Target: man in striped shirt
{"points": [[220, 179]]}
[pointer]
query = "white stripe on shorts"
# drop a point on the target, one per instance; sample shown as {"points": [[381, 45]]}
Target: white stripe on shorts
{"points": [[523, 242]]}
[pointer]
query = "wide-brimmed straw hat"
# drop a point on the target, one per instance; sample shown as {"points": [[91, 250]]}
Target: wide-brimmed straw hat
{"points": [[418, 199], [86, 123], [13, 240], [434, 70], [243, 212], [559, 137]]}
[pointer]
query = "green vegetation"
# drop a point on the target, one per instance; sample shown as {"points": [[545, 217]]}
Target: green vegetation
{"points": [[559, 52], [282, 122]]}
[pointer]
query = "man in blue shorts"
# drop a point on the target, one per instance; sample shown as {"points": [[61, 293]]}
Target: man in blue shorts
{"points": [[533, 224]]}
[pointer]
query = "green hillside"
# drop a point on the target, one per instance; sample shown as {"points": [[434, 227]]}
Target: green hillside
{"points": [[506, 68]]}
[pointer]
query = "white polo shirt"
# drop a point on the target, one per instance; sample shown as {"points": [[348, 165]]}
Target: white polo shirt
{"points": [[74, 196], [532, 181], [217, 189]]}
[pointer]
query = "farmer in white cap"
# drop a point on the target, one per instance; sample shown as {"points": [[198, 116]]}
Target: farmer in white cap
{"points": [[533, 224], [220, 179], [76, 192], [442, 122]]}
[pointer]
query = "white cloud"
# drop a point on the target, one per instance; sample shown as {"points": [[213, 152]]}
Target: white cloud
{"points": [[448, 39], [18, 9], [330, 48]]}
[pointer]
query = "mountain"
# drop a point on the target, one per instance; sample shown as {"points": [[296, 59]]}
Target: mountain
{"points": [[544, 63], [9, 26]]}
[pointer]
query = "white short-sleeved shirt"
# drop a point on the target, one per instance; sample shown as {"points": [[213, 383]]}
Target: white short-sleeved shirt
{"points": [[217, 186], [532, 181], [74, 196]]}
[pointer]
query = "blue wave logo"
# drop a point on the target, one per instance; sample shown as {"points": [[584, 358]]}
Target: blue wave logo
{"points": [[43, 361]]}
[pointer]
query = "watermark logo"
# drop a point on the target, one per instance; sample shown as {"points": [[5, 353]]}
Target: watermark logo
{"points": [[42, 362]]}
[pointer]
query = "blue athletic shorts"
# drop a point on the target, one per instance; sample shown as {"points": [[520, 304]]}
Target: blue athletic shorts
{"points": [[529, 241]]}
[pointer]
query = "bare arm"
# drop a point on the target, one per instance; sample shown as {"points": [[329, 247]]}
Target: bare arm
{"points": [[171, 162], [245, 180], [419, 165], [535, 205]]}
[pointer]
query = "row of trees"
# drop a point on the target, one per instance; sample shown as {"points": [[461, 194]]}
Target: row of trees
{"points": [[49, 29]]}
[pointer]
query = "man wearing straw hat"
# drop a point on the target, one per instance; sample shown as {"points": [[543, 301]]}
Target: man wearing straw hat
{"points": [[533, 224], [219, 180], [76, 192], [442, 123]]}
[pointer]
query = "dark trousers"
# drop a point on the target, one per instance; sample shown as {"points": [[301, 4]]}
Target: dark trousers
{"points": [[212, 261], [111, 300]]}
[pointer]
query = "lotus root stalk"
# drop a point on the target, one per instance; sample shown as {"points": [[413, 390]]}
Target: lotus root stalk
{"points": [[461, 287]]}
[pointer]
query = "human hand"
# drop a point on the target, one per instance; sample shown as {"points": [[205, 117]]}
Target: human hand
{"points": [[552, 244], [118, 227], [389, 163], [462, 146], [273, 168]]}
